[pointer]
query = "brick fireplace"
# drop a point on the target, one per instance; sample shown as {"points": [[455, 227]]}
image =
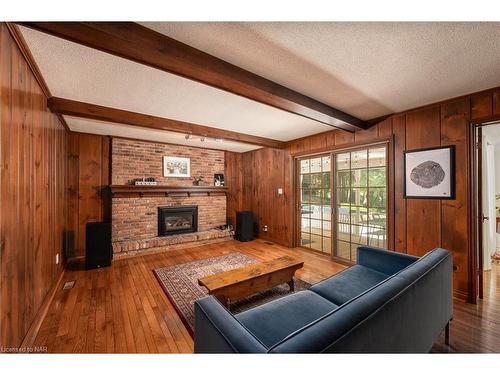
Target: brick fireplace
{"points": [[135, 217]]}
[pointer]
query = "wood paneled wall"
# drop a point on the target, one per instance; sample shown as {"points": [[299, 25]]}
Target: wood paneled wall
{"points": [[419, 224], [88, 179], [253, 179], [33, 151]]}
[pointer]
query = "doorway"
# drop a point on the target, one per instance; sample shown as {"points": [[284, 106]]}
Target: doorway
{"points": [[486, 172]]}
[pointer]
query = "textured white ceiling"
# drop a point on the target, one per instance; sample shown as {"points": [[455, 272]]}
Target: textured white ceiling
{"points": [[365, 69], [73, 71], [121, 130]]}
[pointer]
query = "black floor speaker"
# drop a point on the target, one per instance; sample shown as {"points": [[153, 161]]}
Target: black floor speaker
{"points": [[98, 251], [244, 226]]}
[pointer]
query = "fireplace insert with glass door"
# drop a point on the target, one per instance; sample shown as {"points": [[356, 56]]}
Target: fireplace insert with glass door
{"points": [[177, 219]]}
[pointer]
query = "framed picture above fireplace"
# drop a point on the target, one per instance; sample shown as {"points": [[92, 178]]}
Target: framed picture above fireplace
{"points": [[176, 167]]}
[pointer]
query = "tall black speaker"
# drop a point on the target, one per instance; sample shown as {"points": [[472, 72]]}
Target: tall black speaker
{"points": [[98, 251], [244, 226]]}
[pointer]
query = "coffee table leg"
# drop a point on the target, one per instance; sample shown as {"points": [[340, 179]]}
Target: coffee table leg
{"points": [[291, 284]]}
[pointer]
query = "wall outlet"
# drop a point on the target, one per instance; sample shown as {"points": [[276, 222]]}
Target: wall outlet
{"points": [[280, 191], [57, 258], [264, 228]]}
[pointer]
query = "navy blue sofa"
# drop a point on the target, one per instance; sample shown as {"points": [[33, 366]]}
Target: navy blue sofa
{"points": [[387, 303]]}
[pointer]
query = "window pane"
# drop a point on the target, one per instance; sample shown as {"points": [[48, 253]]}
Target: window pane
{"points": [[343, 249], [343, 161], [305, 239], [343, 196], [359, 177], [377, 237], [316, 196], [315, 226], [327, 212], [326, 180], [316, 180], [327, 245], [305, 224], [304, 166], [316, 242], [359, 159], [343, 232], [359, 234], [316, 165], [315, 211], [376, 177], [326, 163], [305, 181], [378, 217], [377, 197], [377, 157], [305, 196], [359, 197], [344, 178], [327, 228], [326, 197], [359, 215]]}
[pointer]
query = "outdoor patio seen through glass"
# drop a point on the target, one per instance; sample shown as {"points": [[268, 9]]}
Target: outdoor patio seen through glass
{"points": [[358, 193]]}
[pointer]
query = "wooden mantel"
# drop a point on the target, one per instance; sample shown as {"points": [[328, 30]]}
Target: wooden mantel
{"points": [[147, 190]]}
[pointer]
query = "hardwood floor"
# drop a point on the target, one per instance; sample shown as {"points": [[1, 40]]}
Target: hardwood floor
{"points": [[123, 309]]}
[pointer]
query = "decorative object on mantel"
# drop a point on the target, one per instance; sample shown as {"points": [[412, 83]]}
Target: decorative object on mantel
{"points": [[180, 285], [198, 181], [219, 179], [176, 167], [145, 181], [430, 173]]}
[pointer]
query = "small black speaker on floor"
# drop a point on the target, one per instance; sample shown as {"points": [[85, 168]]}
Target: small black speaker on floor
{"points": [[244, 226], [98, 251]]}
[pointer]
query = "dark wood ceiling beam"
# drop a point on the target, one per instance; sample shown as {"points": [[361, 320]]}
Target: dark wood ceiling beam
{"points": [[140, 44], [96, 112]]}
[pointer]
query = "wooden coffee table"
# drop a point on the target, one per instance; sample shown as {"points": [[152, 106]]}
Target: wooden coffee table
{"points": [[242, 282]]}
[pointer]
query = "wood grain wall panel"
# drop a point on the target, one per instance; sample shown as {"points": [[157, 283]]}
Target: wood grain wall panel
{"points": [[343, 138], [384, 128], [318, 141], [88, 181], [496, 102], [32, 194], [399, 130], [455, 213], [233, 175], [423, 227], [481, 105], [366, 135], [264, 171]]}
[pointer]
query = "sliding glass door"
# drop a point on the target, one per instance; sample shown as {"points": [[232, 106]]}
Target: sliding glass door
{"points": [[354, 182]]}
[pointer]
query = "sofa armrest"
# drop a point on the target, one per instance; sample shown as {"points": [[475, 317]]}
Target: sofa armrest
{"points": [[218, 331], [384, 261]]}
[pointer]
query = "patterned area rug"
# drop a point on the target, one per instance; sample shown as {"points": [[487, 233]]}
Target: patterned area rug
{"points": [[180, 283]]}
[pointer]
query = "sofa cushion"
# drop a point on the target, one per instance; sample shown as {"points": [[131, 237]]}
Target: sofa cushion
{"points": [[275, 320], [347, 284]]}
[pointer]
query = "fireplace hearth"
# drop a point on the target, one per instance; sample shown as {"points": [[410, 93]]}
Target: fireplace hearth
{"points": [[177, 219]]}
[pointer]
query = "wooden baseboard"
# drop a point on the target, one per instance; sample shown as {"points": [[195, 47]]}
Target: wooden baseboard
{"points": [[30, 336], [459, 294]]}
